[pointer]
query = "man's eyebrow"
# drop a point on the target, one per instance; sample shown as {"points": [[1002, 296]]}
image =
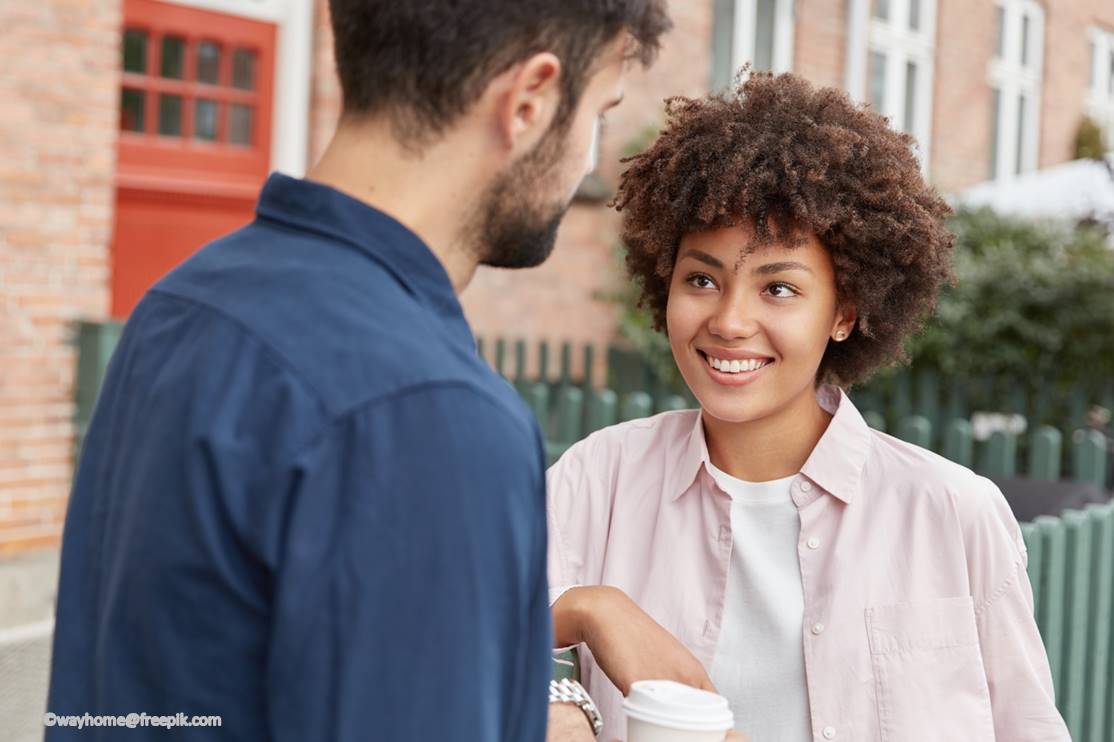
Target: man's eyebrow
{"points": [[615, 102], [703, 257], [789, 265]]}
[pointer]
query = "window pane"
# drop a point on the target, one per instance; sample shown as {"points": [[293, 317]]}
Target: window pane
{"points": [[878, 81], [133, 107], [239, 124], [170, 115], [1000, 25], [1025, 40], [915, 14], [208, 63], [205, 120], [173, 57], [882, 9], [135, 51], [995, 119], [764, 35], [910, 96], [1110, 75], [243, 69], [1022, 105]]}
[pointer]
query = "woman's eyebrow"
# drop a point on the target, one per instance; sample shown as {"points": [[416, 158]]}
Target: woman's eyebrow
{"points": [[790, 265], [702, 256]]}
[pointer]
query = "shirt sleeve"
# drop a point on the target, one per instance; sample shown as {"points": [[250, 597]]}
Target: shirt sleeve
{"points": [[578, 515], [1017, 671], [413, 602]]}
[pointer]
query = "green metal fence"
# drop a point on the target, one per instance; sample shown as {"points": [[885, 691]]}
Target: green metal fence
{"points": [[1071, 556]]}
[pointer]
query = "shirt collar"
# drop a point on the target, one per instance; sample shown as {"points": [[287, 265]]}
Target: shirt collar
{"points": [[316, 207], [835, 464]]}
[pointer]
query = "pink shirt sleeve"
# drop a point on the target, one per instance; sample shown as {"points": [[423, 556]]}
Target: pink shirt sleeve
{"points": [[1017, 671], [578, 511]]}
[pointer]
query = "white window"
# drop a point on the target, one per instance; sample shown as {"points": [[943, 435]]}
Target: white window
{"points": [[1100, 82], [755, 31], [900, 66], [1015, 83]]}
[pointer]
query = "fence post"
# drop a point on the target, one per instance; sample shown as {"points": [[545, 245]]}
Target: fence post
{"points": [[1100, 726], [903, 395], [566, 362], [1052, 584], [602, 409], [636, 405], [928, 400], [543, 361], [519, 363], [1000, 455], [1030, 532], [1089, 457], [501, 356], [959, 442], [589, 366], [1078, 580], [1044, 454], [570, 412], [916, 430], [537, 397]]}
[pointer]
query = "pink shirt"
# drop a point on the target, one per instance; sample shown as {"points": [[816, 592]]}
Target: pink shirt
{"points": [[918, 613]]}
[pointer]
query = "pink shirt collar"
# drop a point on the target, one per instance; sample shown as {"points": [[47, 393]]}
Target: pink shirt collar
{"points": [[836, 464]]}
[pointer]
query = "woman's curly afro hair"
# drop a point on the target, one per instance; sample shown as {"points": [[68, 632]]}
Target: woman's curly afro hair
{"points": [[777, 149]]}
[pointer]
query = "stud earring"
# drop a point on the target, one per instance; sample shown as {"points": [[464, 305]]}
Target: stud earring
{"points": [[841, 335]]}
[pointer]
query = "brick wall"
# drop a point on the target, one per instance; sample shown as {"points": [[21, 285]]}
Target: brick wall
{"points": [[1066, 62], [58, 109]]}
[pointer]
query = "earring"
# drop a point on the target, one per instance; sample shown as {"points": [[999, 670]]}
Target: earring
{"points": [[841, 335]]}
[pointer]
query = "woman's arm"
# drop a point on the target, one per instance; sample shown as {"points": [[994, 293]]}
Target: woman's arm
{"points": [[626, 643]]}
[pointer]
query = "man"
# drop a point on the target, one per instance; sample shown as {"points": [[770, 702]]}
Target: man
{"points": [[305, 504]]}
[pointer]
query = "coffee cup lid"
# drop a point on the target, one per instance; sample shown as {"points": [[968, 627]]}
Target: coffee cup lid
{"points": [[677, 706]]}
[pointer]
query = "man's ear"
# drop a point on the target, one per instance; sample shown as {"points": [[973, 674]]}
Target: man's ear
{"points": [[526, 102]]}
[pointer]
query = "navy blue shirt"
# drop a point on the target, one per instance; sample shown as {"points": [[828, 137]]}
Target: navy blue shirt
{"points": [[305, 504]]}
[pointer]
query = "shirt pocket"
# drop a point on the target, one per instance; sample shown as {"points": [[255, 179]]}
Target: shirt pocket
{"points": [[928, 672]]}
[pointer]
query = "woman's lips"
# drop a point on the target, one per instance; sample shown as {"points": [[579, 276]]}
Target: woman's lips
{"points": [[725, 378]]}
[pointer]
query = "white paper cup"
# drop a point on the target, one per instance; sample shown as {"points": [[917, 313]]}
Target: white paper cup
{"points": [[665, 711]]}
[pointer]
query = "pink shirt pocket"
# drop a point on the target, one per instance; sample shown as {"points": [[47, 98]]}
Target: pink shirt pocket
{"points": [[928, 670]]}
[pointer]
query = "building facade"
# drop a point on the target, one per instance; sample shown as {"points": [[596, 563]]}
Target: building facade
{"points": [[132, 131]]}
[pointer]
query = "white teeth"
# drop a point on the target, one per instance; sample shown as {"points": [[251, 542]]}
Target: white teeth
{"points": [[734, 367]]}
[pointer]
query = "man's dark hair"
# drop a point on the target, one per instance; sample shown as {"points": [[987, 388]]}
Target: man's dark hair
{"points": [[423, 63]]}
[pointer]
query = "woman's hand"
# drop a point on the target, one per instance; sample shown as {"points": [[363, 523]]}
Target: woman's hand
{"points": [[626, 643]]}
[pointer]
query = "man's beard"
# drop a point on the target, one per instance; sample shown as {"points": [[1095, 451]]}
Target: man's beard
{"points": [[517, 223]]}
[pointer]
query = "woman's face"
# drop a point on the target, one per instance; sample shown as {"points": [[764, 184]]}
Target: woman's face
{"points": [[748, 330]]}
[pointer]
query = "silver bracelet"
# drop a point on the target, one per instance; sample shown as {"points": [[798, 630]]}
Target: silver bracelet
{"points": [[570, 691]]}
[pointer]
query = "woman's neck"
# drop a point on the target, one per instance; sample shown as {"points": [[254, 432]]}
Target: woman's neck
{"points": [[770, 448]]}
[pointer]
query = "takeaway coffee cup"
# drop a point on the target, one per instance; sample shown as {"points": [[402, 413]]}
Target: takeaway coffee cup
{"points": [[665, 711]]}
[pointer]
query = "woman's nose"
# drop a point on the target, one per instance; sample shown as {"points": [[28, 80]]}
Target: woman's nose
{"points": [[734, 318]]}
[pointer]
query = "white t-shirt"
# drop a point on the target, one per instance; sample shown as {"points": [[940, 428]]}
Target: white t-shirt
{"points": [[759, 665]]}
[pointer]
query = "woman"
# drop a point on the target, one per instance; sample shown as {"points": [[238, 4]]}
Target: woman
{"points": [[831, 581]]}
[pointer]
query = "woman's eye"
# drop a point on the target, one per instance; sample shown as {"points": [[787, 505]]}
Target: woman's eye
{"points": [[781, 290], [701, 281]]}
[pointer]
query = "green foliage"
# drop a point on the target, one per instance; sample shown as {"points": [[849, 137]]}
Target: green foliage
{"points": [[1031, 299], [1090, 144]]}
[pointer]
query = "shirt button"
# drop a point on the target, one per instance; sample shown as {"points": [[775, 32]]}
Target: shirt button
{"points": [[818, 628], [814, 543], [806, 486], [829, 732], [724, 534]]}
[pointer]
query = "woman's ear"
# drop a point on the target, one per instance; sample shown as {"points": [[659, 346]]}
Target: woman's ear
{"points": [[846, 317]]}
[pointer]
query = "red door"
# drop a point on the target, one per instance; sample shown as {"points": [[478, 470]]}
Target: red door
{"points": [[195, 136]]}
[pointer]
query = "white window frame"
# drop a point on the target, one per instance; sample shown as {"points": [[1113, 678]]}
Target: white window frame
{"points": [[1100, 92], [746, 19], [1013, 80], [293, 69], [900, 45]]}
